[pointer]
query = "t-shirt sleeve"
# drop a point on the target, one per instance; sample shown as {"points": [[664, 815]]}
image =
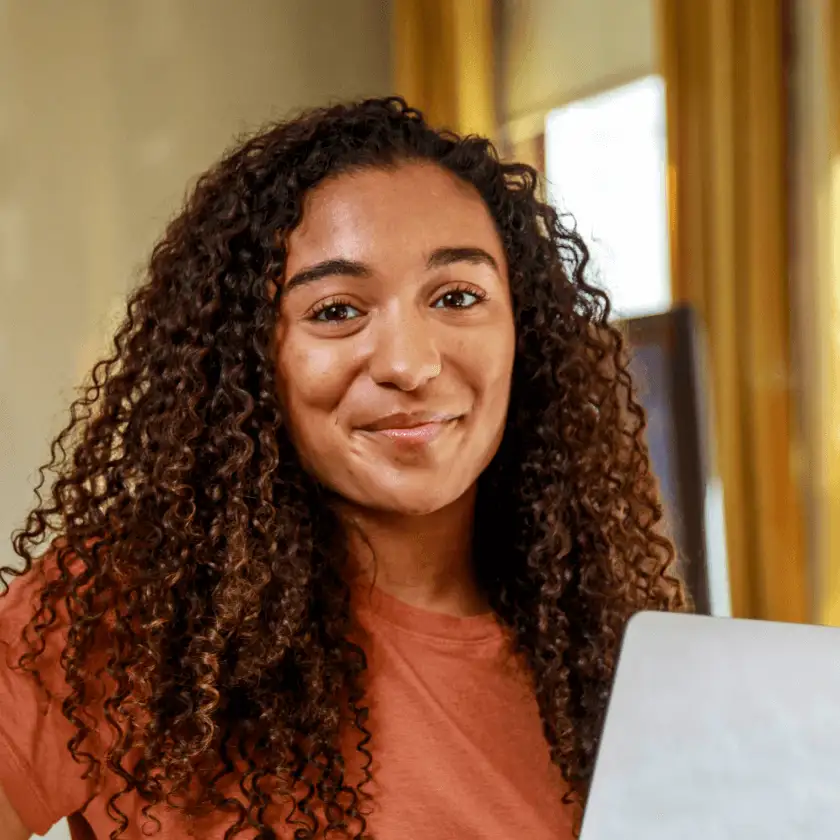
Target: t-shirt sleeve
{"points": [[37, 772]]}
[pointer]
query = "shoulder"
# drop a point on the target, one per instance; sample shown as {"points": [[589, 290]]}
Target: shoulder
{"points": [[30, 621], [20, 597], [37, 771], [34, 616]]}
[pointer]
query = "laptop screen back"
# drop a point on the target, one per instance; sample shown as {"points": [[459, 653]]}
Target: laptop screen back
{"points": [[719, 728]]}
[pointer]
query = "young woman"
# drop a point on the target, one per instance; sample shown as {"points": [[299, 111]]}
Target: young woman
{"points": [[346, 532]]}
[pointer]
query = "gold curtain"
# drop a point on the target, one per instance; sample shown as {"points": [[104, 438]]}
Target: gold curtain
{"points": [[834, 75], [827, 293], [443, 54], [724, 68]]}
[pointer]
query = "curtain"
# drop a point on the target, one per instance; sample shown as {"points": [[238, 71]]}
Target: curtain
{"points": [[824, 45], [443, 60], [725, 69]]}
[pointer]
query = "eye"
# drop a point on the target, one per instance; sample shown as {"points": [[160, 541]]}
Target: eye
{"points": [[458, 299], [335, 312]]}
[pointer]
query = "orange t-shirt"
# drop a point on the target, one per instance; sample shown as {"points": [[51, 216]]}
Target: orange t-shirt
{"points": [[457, 743]]}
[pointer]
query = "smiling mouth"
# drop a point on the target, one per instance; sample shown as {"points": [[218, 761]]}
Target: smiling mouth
{"points": [[411, 429], [423, 433]]}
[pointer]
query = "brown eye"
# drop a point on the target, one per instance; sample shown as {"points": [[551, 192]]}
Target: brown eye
{"points": [[457, 299], [336, 312]]}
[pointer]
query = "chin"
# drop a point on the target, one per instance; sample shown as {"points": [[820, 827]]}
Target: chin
{"points": [[410, 501], [411, 505]]}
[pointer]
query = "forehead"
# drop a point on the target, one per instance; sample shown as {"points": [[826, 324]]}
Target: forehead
{"points": [[413, 208]]}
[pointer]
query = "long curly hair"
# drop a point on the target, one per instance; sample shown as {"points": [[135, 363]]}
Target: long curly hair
{"points": [[200, 569]]}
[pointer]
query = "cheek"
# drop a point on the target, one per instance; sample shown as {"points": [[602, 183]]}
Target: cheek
{"points": [[491, 366], [312, 378]]}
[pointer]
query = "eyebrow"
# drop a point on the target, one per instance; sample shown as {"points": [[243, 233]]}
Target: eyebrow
{"points": [[448, 256], [328, 268], [439, 258]]}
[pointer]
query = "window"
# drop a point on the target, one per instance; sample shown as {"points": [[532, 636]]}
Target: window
{"points": [[606, 161]]}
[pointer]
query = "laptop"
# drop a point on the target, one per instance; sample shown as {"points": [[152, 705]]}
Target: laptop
{"points": [[720, 729]]}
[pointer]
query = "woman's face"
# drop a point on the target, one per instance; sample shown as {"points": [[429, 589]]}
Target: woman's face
{"points": [[395, 339]]}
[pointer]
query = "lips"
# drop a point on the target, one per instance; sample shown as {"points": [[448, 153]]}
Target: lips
{"points": [[404, 421], [413, 428]]}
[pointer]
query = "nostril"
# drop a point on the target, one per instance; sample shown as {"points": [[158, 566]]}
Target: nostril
{"points": [[405, 374]]}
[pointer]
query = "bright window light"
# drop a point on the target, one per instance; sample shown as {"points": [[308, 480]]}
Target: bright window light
{"points": [[606, 160]]}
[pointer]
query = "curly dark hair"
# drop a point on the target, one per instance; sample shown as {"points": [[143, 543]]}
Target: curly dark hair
{"points": [[200, 568]]}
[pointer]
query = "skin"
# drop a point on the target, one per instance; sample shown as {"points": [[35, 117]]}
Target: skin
{"points": [[395, 350]]}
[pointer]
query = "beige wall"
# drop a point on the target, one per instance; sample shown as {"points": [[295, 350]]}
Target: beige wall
{"points": [[106, 111], [555, 51]]}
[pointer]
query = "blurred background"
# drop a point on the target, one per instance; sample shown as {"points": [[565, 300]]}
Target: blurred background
{"points": [[696, 143]]}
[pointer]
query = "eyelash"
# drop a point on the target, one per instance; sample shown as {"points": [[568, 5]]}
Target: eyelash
{"points": [[321, 308], [465, 289], [461, 288]]}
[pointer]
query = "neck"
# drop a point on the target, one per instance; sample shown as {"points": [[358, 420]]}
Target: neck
{"points": [[425, 561]]}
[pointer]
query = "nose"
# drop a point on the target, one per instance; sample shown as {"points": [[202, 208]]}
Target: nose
{"points": [[406, 355]]}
